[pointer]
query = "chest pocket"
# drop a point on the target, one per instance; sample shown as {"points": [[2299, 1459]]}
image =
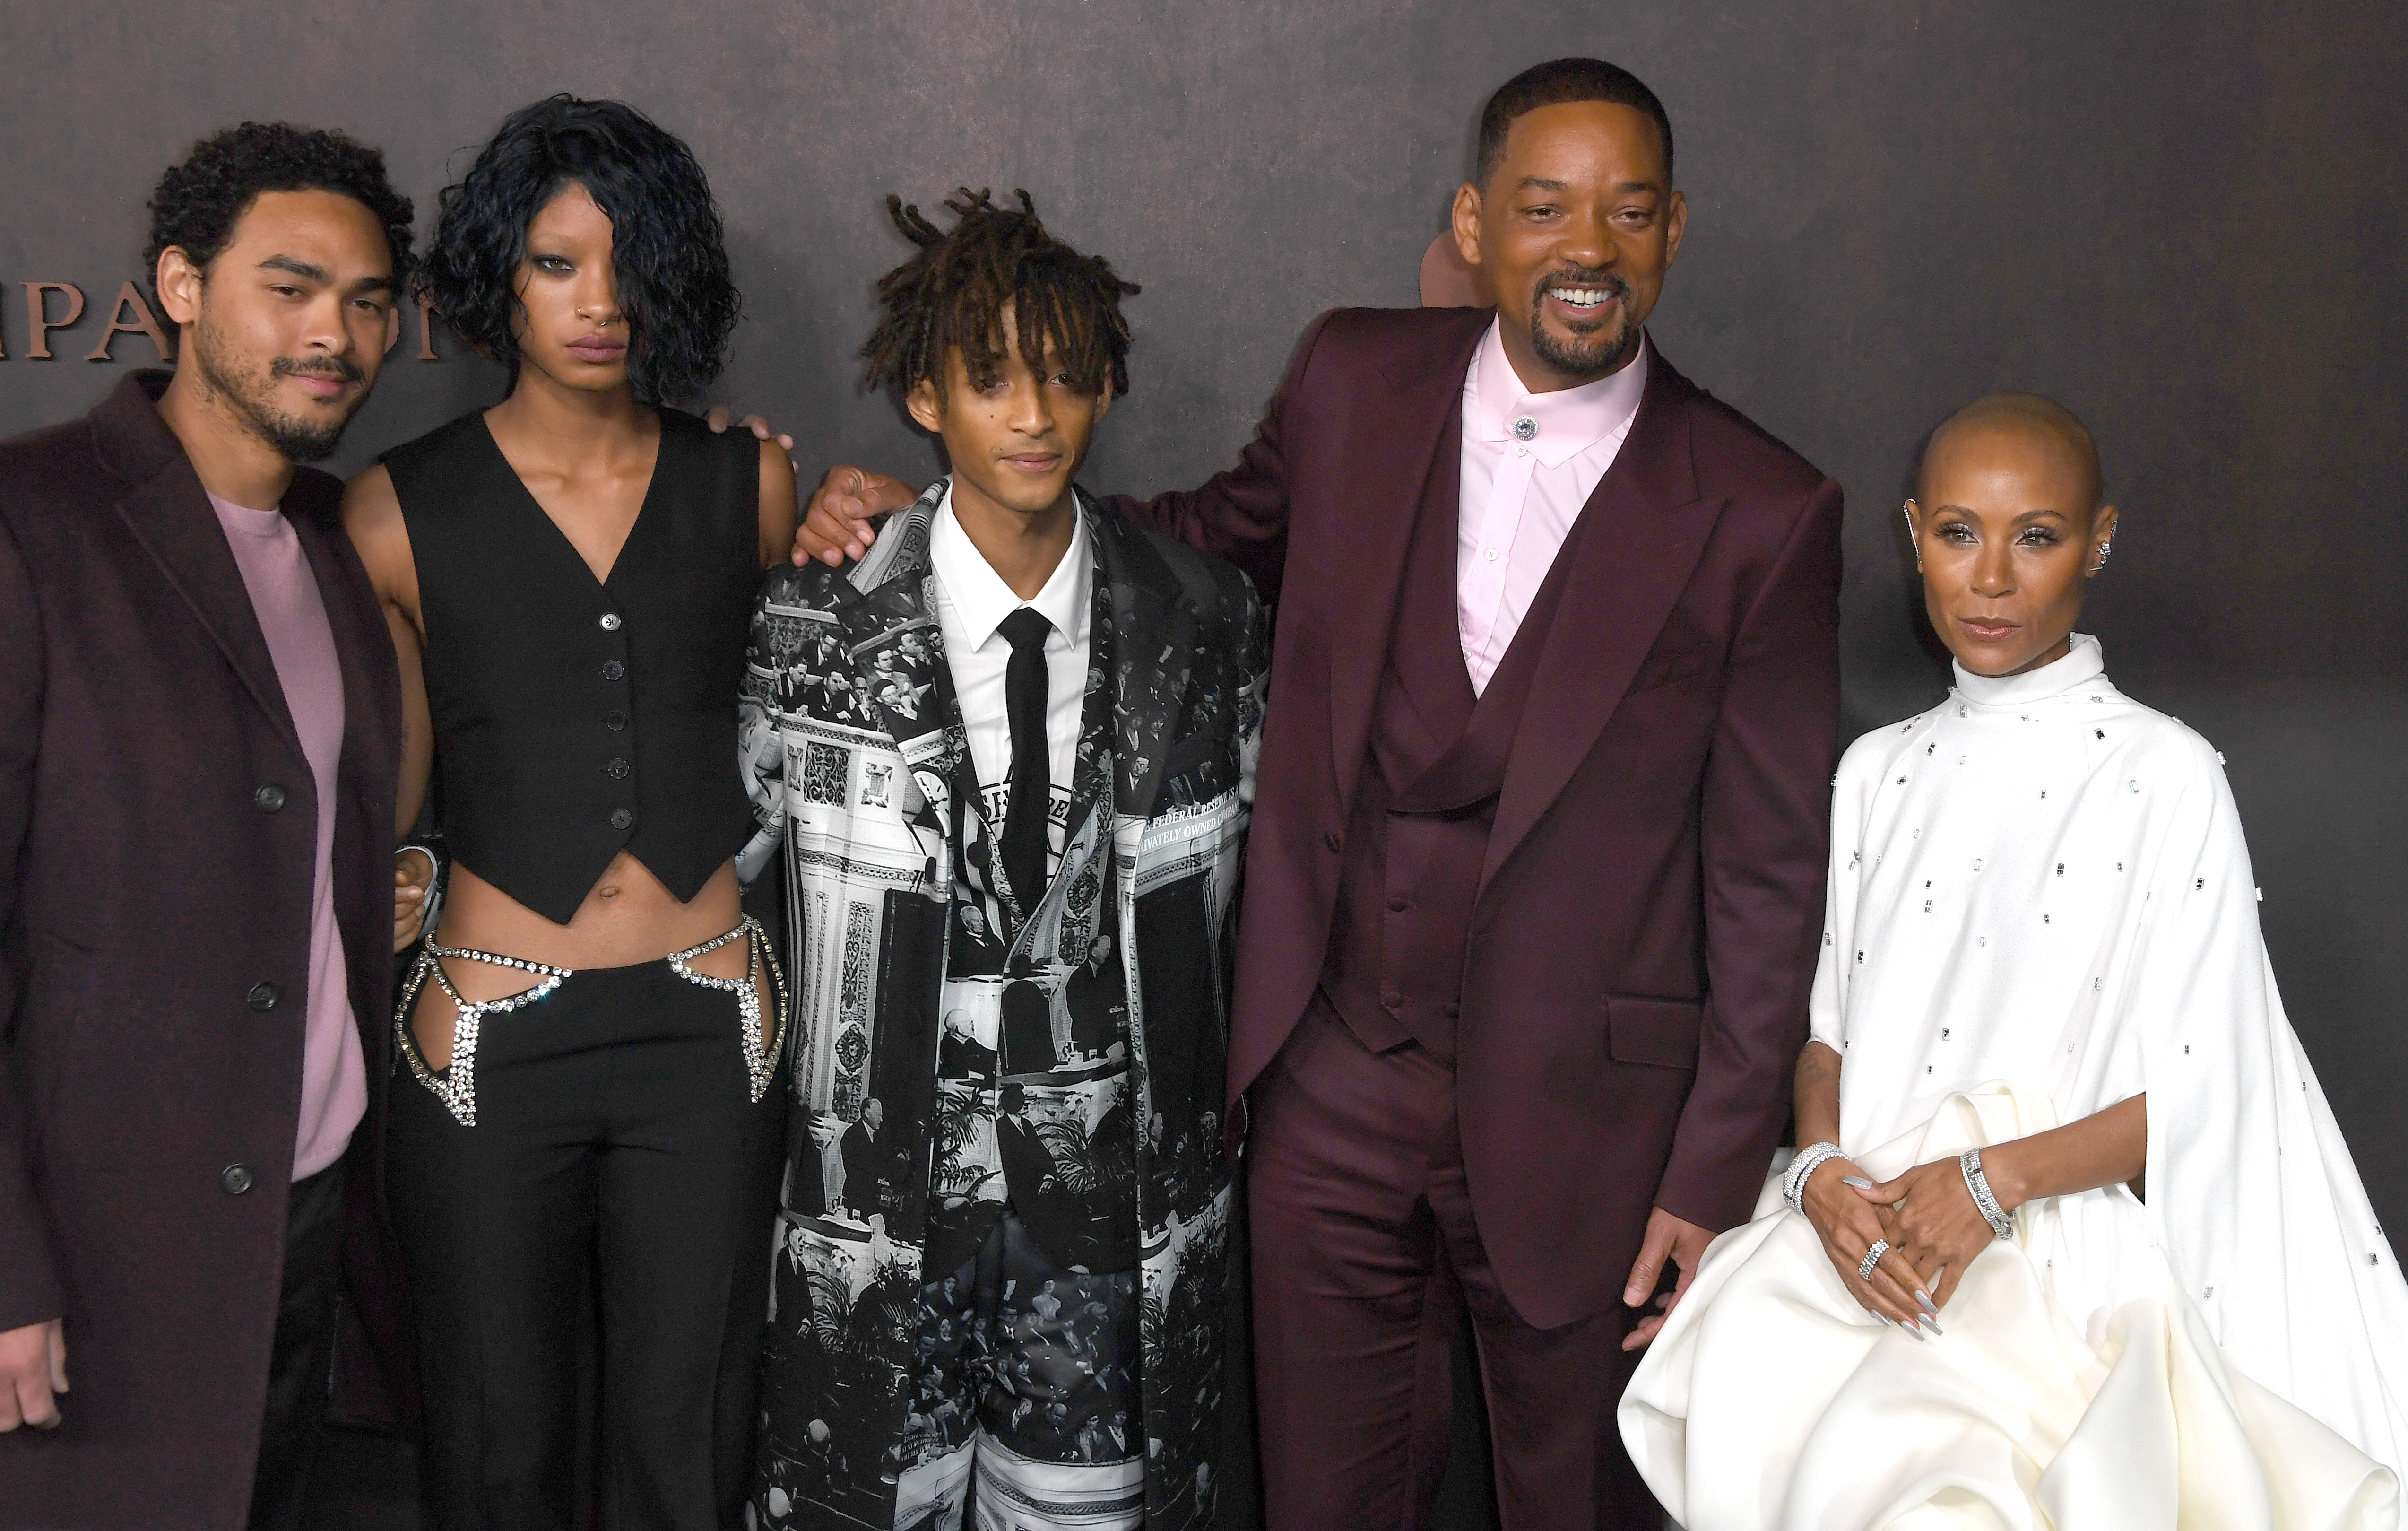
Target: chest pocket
{"points": [[1662, 669]]}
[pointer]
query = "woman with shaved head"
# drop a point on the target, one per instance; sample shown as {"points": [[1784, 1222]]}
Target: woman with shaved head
{"points": [[2075, 1241]]}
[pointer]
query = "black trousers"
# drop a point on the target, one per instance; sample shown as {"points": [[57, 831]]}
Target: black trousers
{"points": [[615, 1134], [302, 1351]]}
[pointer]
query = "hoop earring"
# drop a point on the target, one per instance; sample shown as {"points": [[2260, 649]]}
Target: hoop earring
{"points": [[1911, 539]]}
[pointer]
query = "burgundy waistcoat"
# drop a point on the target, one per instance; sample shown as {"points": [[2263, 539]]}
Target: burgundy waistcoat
{"points": [[1435, 763]]}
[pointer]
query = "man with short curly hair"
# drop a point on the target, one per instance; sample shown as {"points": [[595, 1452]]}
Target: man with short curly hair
{"points": [[194, 947]]}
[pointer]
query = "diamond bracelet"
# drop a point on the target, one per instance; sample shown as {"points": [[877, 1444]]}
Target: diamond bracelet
{"points": [[1978, 1183], [1801, 1169]]}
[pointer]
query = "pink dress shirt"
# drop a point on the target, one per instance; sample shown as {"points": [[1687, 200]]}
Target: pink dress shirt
{"points": [[1529, 463], [293, 618]]}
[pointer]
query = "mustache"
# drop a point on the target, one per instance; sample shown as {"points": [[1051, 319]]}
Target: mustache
{"points": [[332, 367], [1604, 279]]}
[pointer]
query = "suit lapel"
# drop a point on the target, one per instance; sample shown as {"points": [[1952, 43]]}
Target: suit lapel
{"points": [[1091, 774], [1641, 532], [371, 682], [169, 515], [922, 714], [1151, 636], [1423, 404]]}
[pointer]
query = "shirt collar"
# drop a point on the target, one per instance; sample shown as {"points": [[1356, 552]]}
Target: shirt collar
{"points": [[981, 599], [1569, 421]]}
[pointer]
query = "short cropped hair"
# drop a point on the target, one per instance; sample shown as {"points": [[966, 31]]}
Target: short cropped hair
{"points": [[665, 237], [952, 294], [197, 204], [1553, 84]]}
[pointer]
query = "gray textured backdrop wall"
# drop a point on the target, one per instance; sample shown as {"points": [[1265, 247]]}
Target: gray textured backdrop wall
{"points": [[2184, 219]]}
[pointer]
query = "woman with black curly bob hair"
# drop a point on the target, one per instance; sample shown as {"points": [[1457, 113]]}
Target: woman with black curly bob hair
{"points": [[569, 576]]}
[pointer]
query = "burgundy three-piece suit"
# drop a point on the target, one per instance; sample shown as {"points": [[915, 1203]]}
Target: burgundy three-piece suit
{"points": [[1513, 969]]}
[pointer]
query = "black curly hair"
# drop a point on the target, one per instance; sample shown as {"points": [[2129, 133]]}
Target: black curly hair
{"points": [[197, 203], [665, 239], [952, 294]]}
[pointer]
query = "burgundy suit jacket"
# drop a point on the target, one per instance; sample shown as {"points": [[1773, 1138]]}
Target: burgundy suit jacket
{"points": [[146, 887], [1646, 929]]}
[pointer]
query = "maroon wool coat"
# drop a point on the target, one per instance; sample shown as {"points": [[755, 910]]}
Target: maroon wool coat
{"points": [[1646, 933], [146, 887]]}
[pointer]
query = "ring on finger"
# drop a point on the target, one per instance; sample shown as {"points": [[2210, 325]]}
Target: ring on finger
{"points": [[1873, 1258]]}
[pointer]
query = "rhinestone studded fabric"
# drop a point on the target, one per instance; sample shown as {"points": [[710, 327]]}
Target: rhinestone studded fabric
{"points": [[760, 1061], [456, 1086]]}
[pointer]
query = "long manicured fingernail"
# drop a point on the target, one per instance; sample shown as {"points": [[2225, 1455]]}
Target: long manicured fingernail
{"points": [[1856, 1181], [1885, 1320], [1916, 1332], [1933, 1324], [1924, 1298]]}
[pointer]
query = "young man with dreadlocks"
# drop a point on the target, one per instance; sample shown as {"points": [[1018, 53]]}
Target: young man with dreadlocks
{"points": [[1016, 751]]}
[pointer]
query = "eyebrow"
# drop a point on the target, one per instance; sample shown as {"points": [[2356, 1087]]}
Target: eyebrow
{"points": [[319, 274], [297, 266], [1542, 184], [2020, 515]]}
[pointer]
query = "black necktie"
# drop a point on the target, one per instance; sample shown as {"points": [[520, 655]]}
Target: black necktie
{"points": [[1032, 793]]}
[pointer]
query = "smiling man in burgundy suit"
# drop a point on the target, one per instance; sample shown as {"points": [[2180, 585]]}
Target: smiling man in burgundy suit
{"points": [[1537, 871]]}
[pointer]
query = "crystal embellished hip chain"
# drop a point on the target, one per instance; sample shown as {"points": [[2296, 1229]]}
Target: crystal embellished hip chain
{"points": [[760, 1061], [456, 1085]]}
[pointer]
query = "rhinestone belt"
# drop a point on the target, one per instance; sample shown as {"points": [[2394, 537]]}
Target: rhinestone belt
{"points": [[456, 1084]]}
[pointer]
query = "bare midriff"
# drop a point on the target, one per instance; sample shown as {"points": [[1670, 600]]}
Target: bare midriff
{"points": [[628, 916]]}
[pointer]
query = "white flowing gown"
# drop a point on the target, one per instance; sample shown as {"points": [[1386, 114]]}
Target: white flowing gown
{"points": [[2041, 904]]}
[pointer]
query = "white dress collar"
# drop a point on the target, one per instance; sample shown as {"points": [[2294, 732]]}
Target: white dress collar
{"points": [[2084, 663]]}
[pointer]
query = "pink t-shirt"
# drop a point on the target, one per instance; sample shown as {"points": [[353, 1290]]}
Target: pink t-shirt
{"points": [[293, 618]]}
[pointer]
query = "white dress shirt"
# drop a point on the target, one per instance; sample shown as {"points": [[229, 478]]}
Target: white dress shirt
{"points": [[972, 600], [1530, 462]]}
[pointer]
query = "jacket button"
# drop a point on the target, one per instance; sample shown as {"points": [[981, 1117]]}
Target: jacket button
{"points": [[237, 1178], [616, 767], [614, 720], [262, 997], [1397, 906], [268, 799], [613, 670], [1329, 838], [1453, 1011], [621, 818], [1390, 998], [609, 622]]}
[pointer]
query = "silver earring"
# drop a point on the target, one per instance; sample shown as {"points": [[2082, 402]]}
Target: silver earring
{"points": [[1910, 535], [2104, 549]]}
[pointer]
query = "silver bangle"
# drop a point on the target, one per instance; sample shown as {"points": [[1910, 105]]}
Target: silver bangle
{"points": [[2001, 1225], [1801, 1169]]}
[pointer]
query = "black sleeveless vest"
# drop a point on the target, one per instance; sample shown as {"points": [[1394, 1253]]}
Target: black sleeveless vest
{"points": [[574, 719]]}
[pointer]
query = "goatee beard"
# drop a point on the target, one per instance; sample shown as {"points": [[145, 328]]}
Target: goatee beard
{"points": [[1589, 356], [294, 438]]}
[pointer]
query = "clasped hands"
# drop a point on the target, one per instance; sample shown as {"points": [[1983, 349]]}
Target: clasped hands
{"points": [[1929, 1217]]}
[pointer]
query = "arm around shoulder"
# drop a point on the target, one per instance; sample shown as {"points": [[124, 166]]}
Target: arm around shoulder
{"points": [[1241, 514]]}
